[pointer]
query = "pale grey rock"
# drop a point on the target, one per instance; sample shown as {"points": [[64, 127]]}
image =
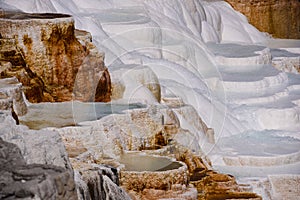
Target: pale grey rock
{"points": [[287, 64], [10, 154], [281, 186], [19, 180], [136, 129], [45, 148], [101, 182], [5, 102], [11, 91], [286, 60], [83, 37], [41, 147]]}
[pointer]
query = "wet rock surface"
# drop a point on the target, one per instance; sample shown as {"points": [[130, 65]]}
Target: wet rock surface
{"points": [[59, 64], [194, 179], [162, 175], [95, 143]]}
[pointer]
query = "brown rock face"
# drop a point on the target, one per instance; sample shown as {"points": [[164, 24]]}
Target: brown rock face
{"points": [[280, 18], [212, 185], [46, 57]]}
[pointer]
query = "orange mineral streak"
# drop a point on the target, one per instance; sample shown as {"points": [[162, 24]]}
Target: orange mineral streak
{"points": [[50, 61]]}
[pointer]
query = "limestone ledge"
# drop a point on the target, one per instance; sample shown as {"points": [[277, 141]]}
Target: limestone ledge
{"points": [[287, 59], [42, 154], [284, 59], [94, 145], [104, 141], [138, 181]]}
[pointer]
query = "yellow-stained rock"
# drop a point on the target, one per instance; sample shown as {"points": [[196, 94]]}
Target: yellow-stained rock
{"points": [[280, 18], [50, 61]]}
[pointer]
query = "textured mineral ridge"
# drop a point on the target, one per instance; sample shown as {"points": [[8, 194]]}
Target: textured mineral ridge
{"points": [[48, 59], [19, 180]]}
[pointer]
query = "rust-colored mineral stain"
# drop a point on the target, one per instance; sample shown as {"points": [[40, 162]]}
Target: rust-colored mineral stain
{"points": [[47, 61], [103, 90], [66, 53], [27, 41]]}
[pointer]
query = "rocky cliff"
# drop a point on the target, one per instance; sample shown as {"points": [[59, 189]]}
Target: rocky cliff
{"points": [[32, 181], [49, 60], [280, 18], [35, 165]]}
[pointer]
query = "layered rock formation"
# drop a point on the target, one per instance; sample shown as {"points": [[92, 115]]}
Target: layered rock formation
{"points": [[48, 59], [35, 164], [99, 182], [37, 147], [152, 130], [156, 132], [30, 168], [152, 172], [286, 60], [279, 18], [11, 96], [32, 181], [283, 59]]}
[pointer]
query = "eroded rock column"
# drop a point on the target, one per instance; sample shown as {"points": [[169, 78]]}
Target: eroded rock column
{"points": [[46, 57]]}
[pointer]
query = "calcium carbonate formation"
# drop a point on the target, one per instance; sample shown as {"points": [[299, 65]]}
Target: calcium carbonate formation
{"points": [[205, 55]]}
